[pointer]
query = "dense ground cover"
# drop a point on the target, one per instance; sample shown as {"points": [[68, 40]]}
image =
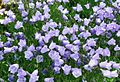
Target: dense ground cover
{"points": [[60, 41]]}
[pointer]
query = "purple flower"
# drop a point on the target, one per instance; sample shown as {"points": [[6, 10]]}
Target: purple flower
{"points": [[49, 79], [18, 25], [91, 42], [57, 69], [44, 49], [116, 65], [102, 5], [34, 76], [1, 44], [76, 72], [24, 13], [78, 8], [38, 4], [5, 1], [13, 68], [54, 55], [58, 62], [65, 1], [22, 43], [31, 48], [111, 42], [7, 50], [106, 52], [28, 55], [20, 6], [105, 64], [87, 6], [118, 34], [116, 48], [109, 74], [52, 45], [66, 69], [93, 62], [75, 56], [86, 21], [39, 58], [21, 79], [61, 50], [21, 73]]}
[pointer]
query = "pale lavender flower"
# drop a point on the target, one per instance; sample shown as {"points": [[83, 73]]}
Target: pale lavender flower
{"points": [[21, 79], [5, 1], [57, 69], [49, 79], [7, 50], [38, 4], [61, 50], [112, 41], [22, 43], [74, 56], [58, 62], [31, 48], [66, 69], [78, 8], [118, 34], [44, 49], [54, 55], [1, 44], [95, 8], [76, 72], [65, 1], [24, 13], [93, 62], [18, 25], [109, 74], [52, 45], [21, 73], [102, 5], [116, 48], [87, 6], [91, 42], [34, 76], [106, 65], [28, 55], [106, 52], [31, 5], [65, 31], [96, 56], [13, 68], [116, 65], [39, 58], [86, 21]]}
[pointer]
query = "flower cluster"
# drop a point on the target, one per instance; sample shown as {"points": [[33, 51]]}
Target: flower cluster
{"points": [[90, 42]]}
